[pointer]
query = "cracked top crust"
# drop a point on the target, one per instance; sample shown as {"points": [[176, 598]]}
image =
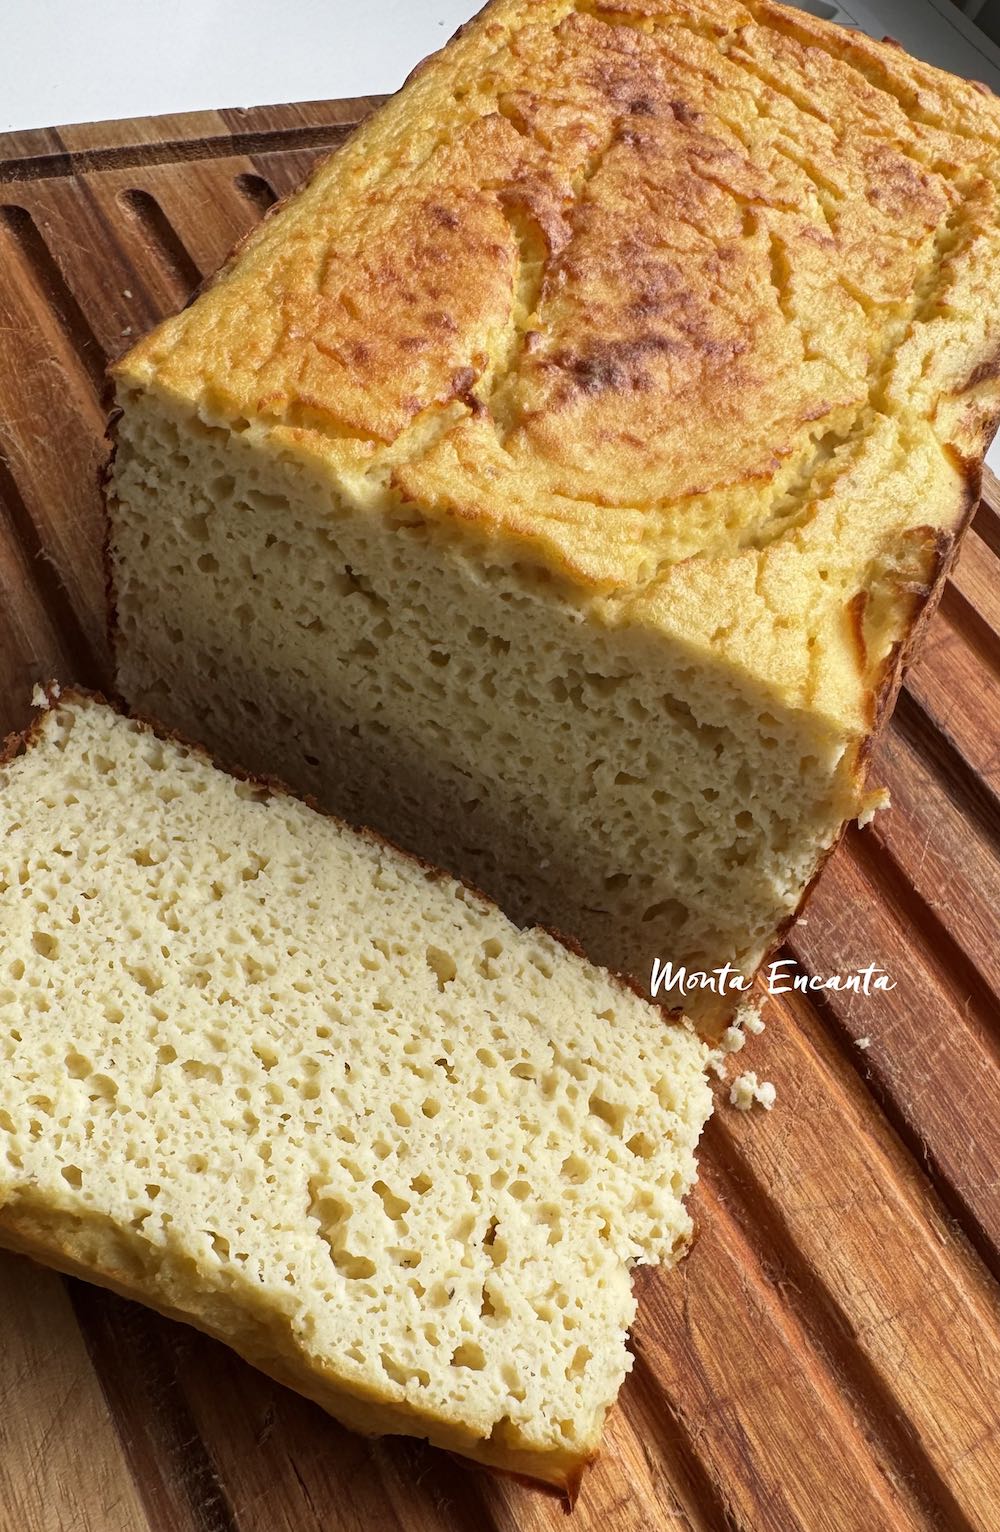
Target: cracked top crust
{"points": [[695, 306]]}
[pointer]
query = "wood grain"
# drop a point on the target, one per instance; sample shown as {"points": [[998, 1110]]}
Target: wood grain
{"points": [[828, 1357], [62, 1459]]}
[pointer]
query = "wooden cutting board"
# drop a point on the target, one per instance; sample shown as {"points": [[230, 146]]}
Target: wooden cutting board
{"points": [[828, 1357]]}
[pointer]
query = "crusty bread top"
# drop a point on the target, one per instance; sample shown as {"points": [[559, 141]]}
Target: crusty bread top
{"points": [[693, 305]]}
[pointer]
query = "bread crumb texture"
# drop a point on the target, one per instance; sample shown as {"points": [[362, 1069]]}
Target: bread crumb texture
{"points": [[746, 1091], [684, 301], [874, 803], [556, 481], [748, 1016], [277, 1079]]}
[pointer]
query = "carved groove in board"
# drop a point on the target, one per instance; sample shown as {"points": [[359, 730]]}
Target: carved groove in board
{"points": [[288, 169], [257, 190], [47, 276], [162, 239], [130, 1353], [967, 791], [47, 579], [307, 1497], [827, 1328], [987, 524], [975, 631], [462, 1496], [133, 156], [987, 518], [878, 1083], [728, 1426], [699, 1494], [32, 646], [975, 999]]}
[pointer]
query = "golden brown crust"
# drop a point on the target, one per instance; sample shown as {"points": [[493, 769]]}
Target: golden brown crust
{"points": [[945, 550], [679, 302], [925, 600]]}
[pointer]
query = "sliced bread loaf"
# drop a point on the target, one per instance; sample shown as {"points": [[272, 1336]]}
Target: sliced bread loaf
{"points": [[275, 1078], [558, 481]]}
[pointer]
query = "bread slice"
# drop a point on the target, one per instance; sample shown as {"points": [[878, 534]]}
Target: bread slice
{"points": [[277, 1079], [559, 480]]}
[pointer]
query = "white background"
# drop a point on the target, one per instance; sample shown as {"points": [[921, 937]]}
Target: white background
{"points": [[87, 60]]}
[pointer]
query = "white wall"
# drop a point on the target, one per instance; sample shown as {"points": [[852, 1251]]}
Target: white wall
{"points": [[87, 60]]}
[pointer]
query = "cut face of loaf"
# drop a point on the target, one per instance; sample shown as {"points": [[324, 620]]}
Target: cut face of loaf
{"points": [[590, 777], [279, 1080], [558, 481]]}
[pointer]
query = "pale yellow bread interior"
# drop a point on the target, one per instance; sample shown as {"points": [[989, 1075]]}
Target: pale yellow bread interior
{"points": [[277, 1079], [558, 479]]}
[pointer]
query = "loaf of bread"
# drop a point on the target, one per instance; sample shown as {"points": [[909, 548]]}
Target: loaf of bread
{"points": [[558, 481], [277, 1079]]}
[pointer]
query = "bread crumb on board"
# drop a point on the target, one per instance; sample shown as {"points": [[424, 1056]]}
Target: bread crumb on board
{"points": [[747, 1089], [862, 1042], [874, 804], [746, 1019], [749, 1018]]}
